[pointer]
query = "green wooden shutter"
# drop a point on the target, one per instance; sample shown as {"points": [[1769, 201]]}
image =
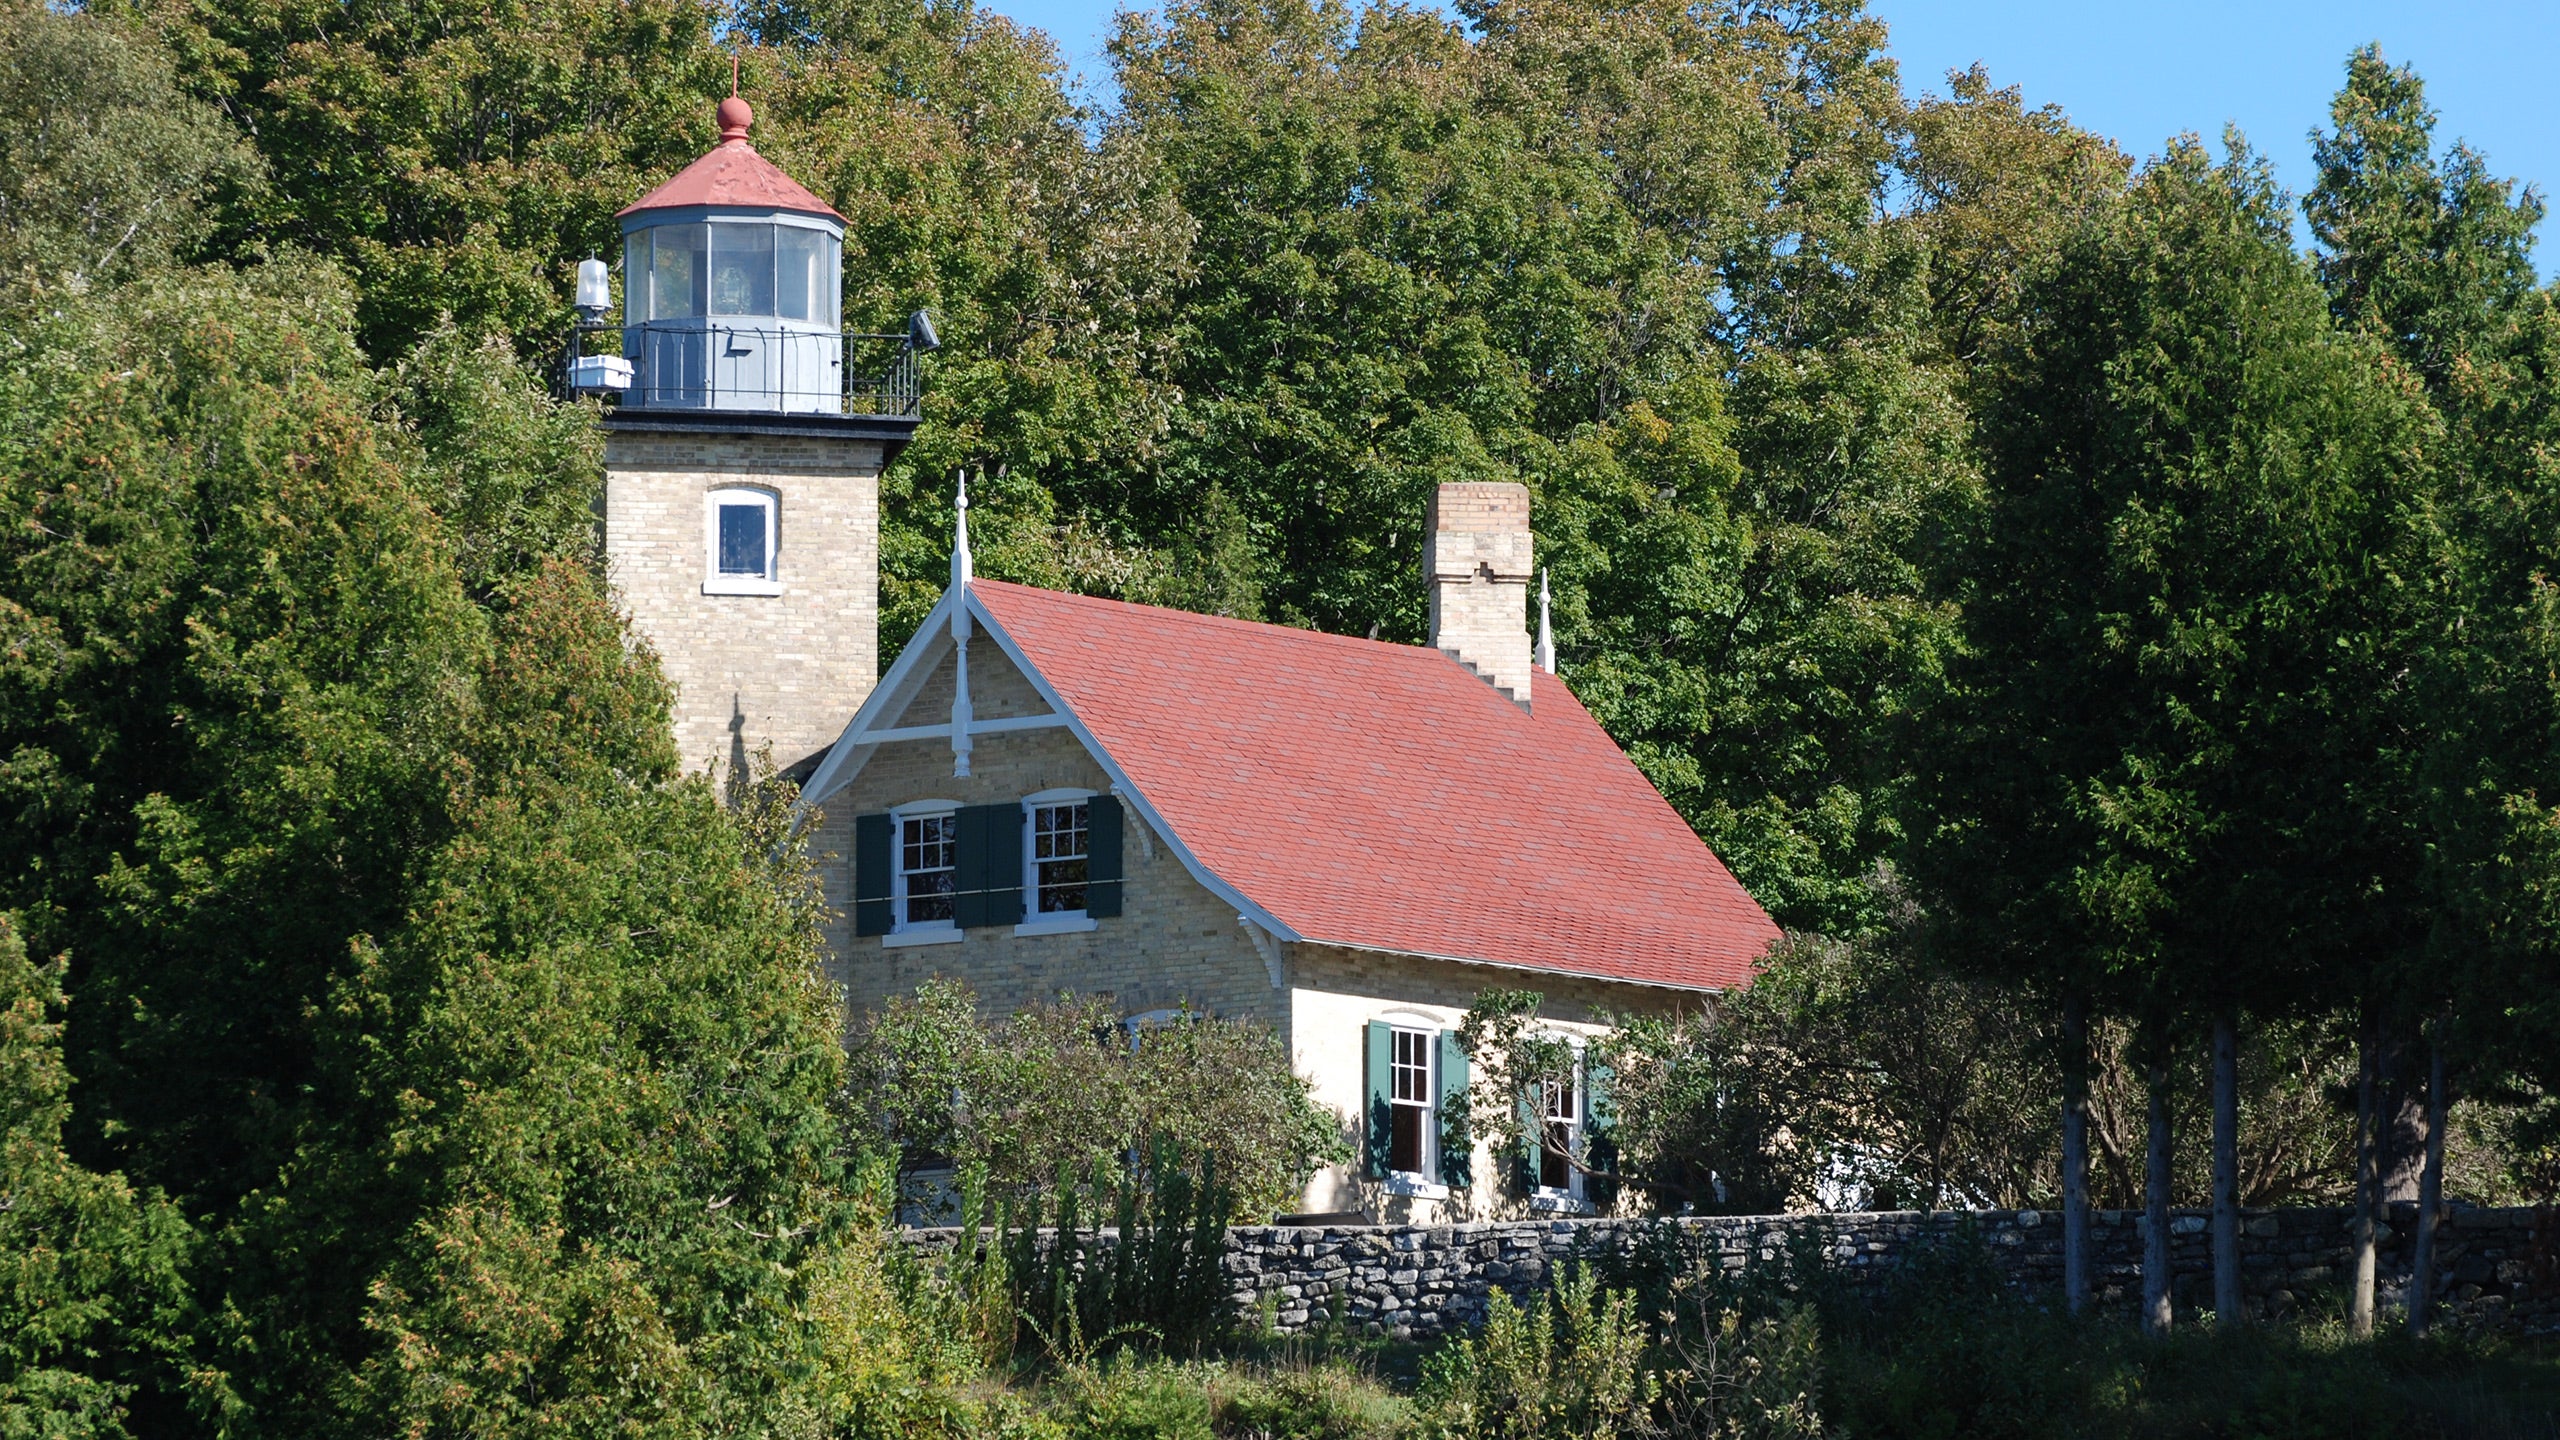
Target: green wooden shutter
{"points": [[874, 840], [987, 872], [1102, 857], [1457, 1137], [1380, 1132], [1599, 1132]]}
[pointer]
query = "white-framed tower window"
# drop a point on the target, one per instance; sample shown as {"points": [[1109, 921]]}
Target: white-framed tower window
{"points": [[741, 539], [924, 878], [1413, 1102]]}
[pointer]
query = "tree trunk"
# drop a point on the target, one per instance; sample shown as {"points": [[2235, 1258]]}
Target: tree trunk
{"points": [[2075, 1155], [2422, 1260], [2228, 1308], [2360, 1224], [2156, 1314], [2400, 1147]]}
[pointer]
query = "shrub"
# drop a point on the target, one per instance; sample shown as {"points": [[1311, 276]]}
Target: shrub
{"points": [[1158, 1280], [1571, 1364], [1309, 1402], [1067, 1087]]}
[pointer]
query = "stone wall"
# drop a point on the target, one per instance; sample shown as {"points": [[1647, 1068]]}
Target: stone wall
{"points": [[2499, 1267]]}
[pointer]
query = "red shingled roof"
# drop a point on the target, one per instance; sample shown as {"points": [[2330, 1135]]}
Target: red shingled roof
{"points": [[733, 174], [1382, 796]]}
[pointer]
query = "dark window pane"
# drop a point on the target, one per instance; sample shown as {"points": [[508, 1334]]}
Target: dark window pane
{"points": [[1062, 884], [1404, 1150], [742, 540], [1553, 1171]]}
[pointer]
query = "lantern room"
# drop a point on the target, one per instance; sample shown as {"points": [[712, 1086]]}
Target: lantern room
{"points": [[731, 276]]}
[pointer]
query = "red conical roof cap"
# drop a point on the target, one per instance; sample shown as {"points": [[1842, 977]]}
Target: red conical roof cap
{"points": [[733, 174]]}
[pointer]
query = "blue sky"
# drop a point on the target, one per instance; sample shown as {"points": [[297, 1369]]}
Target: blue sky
{"points": [[2144, 72]]}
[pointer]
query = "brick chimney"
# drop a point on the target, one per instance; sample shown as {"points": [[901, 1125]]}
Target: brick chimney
{"points": [[1476, 559]]}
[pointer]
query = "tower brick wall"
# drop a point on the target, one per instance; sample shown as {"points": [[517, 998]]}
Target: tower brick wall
{"points": [[784, 670]]}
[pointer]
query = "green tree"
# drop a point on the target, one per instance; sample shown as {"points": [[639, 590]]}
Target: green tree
{"points": [[490, 1055], [2179, 627], [2433, 259], [1630, 256], [93, 1297], [108, 160]]}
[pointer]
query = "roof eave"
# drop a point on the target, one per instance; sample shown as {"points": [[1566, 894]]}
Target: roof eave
{"points": [[1515, 967]]}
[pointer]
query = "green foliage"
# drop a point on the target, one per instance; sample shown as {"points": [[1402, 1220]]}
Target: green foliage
{"points": [[1867, 1074], [1553, 253], [1569, 1365], [1945, 1351], [2189, 612], [491, 1060], [1067, 1088], [1156, 1279], [240, 665], [1310, 1401], [93, 1296], [512, 475], [107, 160], [1862, 1076], [591, 1214]]}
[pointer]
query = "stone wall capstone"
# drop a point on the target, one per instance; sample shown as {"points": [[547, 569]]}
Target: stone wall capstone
{"points": [[2497, 1267]]}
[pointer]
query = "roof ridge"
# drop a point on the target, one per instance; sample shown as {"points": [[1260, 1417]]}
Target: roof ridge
{"points": [[1264, 627]]}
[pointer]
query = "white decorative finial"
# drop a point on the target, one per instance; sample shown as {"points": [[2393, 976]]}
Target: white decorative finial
{"points": [[1546, 658], [960, 560], [962, 718]]}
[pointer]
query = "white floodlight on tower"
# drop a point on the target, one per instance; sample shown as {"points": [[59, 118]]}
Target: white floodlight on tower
{"points": [[591, 374]]}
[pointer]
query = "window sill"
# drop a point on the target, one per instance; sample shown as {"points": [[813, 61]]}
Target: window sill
{"points": [[903, 938], [740, 585], [1063, 925], [1414, 1187], [1555, 1203]]}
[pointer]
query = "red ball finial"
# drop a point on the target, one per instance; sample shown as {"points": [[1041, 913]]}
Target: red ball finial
{"points": [[735, 116]]}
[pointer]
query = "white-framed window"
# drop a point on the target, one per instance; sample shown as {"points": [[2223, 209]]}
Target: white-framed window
{"points": [[1560, 1111], [924, 873], [741, 539], [1057, 847], [1413, 1103]]}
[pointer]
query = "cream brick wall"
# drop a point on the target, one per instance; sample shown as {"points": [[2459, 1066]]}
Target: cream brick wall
{"points": [[1173, 943], [749, 670], [1335, 992], [1476, 560]]}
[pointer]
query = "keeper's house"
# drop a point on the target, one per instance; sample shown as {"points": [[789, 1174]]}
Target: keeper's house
{"points": [[1344, 838]]}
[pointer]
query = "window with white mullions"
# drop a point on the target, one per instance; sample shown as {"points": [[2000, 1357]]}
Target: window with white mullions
{"points": [[928, 856], [740, 534], [1413, 1101], [1060, 851], [1560, 1131]]}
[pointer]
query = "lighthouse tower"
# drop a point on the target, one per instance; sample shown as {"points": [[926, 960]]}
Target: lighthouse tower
{"points": [[742, 466]]}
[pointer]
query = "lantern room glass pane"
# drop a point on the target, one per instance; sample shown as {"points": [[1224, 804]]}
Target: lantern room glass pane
{"points": [[742, 270], [676, 271], [797, 255], [635, 277]]}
